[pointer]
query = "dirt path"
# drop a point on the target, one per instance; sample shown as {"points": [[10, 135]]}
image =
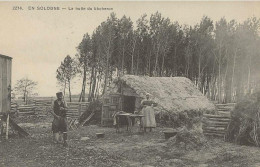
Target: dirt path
{"points": [[116, 149]]}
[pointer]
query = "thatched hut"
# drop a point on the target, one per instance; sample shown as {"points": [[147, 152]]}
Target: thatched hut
{"points": [[172, 94]]}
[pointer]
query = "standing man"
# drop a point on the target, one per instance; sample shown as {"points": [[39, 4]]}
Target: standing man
{"points": [[59, 124]]}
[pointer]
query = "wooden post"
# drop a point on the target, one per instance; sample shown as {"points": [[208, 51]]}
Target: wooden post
{"points": [[79, 109], [2, 126], [7, 126]]}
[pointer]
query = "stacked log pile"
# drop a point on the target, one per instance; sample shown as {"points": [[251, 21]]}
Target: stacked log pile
{"points": [[14, 107], [224, 109], [26, 109], [74, 112], [216, 125], [80, 106], [43, 104]]}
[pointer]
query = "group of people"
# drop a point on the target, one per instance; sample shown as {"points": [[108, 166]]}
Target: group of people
{"points": [[59, 124]]}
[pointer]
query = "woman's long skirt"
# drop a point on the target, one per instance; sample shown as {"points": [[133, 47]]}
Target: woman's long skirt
{"points": [[148, 121]]}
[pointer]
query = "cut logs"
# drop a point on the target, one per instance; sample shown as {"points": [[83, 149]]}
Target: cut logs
{"points": [[42, 104], [26, 109], [216, 125], [13, 107]]}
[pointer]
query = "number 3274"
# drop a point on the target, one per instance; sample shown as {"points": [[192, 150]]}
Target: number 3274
{"points": [[17, 8]]}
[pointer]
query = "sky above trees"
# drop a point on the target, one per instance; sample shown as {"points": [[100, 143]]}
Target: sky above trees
{"points": [[39, 40]]}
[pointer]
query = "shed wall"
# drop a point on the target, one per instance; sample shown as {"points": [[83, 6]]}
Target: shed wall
{"points": [[5, 84], [113, 102]]}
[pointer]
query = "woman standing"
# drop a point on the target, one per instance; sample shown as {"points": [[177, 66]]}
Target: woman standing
{"points": [[148, 121]]}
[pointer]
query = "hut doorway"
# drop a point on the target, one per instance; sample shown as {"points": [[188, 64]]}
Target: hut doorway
{"points": [[129, 104]]}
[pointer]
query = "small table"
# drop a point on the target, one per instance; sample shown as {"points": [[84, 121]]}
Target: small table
{"points": [[134, 116], [130, 118]]}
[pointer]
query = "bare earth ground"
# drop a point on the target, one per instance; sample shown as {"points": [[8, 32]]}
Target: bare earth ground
{"points": [[115, 149]]}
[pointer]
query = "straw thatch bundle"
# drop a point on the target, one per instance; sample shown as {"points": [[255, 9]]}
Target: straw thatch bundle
{"points": [[187, 140], [244, 127]]}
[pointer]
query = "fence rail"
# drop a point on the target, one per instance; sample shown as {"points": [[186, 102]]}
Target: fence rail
{"points": [[37, 105], [26, 109]]}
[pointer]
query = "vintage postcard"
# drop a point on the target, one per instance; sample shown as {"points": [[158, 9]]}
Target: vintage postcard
{"points": [[129, 83]]}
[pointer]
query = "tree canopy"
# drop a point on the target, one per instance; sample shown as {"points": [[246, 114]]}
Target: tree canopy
{"points": [[220, 57]]}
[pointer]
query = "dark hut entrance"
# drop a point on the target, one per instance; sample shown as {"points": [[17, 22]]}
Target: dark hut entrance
{"points": [[126, 100], [129, 104]]}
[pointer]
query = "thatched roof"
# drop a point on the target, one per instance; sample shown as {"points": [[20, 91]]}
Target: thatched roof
{"points": [[171, 93]]}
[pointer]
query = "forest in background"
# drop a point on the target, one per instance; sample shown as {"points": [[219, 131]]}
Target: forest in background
{"points": [[222, 58]]}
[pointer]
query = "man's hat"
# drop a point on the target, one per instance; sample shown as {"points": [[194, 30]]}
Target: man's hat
{"points": [[59, 94]]}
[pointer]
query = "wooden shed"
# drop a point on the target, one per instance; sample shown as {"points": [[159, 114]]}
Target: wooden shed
{"points": [[172, 94], [5, 83]]}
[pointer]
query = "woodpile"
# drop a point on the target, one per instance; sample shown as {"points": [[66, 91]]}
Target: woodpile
{"points": [[224, 109], [26, 109], [80, 106], [42, 104], [216, 125], [74, 112], [14, 107], [83, 107]]}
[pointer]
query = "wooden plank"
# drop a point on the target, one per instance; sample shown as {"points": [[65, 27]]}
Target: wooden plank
{"points": [[16, 127], [220, 134], [214, 128], [27, 106], [214, 131], [4, 86], [1, 85], [227, 104], [215, 116], [217, 123], [7, 127], [9, 82], [224, 113], [212, 122], [224, 110], [8, 86], [219, 120], [26, 112], [214, 134], [24, 107]]}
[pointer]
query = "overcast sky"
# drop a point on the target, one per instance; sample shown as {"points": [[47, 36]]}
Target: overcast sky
{"points": [[39, 40]]}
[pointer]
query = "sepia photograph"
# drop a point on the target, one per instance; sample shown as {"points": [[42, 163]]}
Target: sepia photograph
{"points": [[130, 83]]}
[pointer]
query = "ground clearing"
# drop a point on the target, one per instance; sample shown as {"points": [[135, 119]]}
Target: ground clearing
{"points": [[123, 149]]}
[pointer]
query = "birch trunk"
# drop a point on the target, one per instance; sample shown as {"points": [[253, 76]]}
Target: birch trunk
{"points": [[233, 74]]}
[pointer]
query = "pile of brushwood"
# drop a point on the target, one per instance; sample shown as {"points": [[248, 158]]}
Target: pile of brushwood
{"points": [[187, 140], [244, 127], [179, 119], [94, 107]]}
